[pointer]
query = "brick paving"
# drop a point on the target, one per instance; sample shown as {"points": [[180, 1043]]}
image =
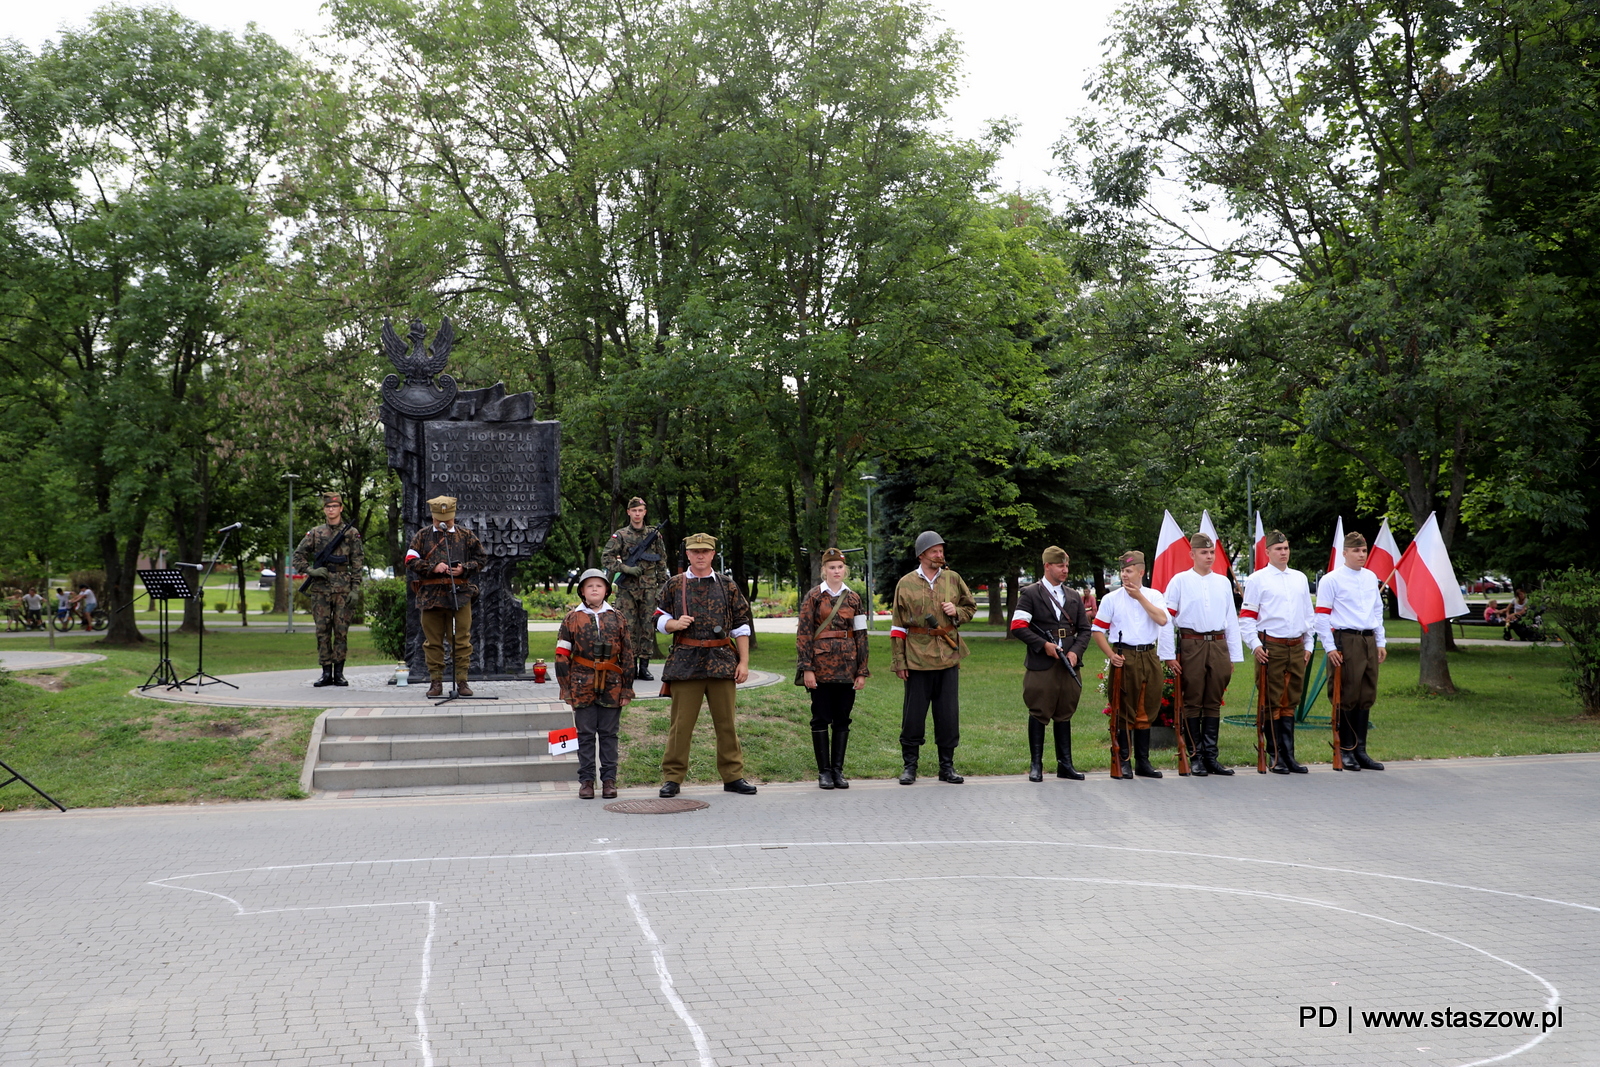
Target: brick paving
{"points": [[997, 922]]}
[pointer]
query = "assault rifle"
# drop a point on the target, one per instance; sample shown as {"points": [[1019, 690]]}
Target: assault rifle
{"points": [[326, 556], [641, 552]]}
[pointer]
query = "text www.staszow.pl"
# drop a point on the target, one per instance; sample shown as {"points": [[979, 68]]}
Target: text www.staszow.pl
{"points": [[1327, 1015]]}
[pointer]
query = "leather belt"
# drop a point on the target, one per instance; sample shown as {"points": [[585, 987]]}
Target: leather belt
{"points": [[442, 581], [695, 642], [1202, 635], [931, 631], [1363, 633], [1120, 647], [604, 667], [834, 633], [1283, 640]]}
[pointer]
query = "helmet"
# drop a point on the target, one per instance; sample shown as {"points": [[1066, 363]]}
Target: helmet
{"points": [[926, 540], [595, 572]]}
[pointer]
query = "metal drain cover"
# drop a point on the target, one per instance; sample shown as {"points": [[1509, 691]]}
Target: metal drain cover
{"points": [[667, 806]]}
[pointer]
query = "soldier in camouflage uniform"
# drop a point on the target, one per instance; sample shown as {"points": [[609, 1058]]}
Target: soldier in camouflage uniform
{"points": [[594, 666], [831, 657], [639, 586], [930, 605], [330, 587], [443, 558]]}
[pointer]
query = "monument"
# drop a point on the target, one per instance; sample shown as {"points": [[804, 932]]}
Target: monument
{"points": [[502, 465]]}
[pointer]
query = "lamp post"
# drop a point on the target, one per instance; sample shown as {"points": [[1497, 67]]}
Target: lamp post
{"points": [[872, 612], [288, 557]]}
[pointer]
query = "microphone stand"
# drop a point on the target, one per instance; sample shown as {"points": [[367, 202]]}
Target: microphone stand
{"points": [[200, 652]]}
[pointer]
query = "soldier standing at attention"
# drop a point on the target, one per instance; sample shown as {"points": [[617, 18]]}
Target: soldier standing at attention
{"points": [[594, 665], [930, 604], [1350, 622], [1200, 602], [330, 586], [1278, 624], [640, 584], [831, 656], [442, 559], [1134, 631], [709, 620], [1051, 621]]}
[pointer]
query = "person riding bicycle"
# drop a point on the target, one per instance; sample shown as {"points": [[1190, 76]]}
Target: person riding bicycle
{"points": [[63, 605], [85, 602]]}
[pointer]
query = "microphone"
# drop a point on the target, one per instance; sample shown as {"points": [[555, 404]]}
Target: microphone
{"points": [[230, 529]]}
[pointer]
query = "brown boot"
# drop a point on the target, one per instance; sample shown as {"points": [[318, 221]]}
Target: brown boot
{"points": [[608, 789], [586, 789], [436, 689], [464, 689]]}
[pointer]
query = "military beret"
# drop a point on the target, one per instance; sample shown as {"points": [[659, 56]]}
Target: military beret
{"points": [[332, 498], [1131, 558], [1354, 540], [1276, 537], [1054, 554], [700, 540], [833, 554], [442, 505], [636, 502], [1200, 540]]}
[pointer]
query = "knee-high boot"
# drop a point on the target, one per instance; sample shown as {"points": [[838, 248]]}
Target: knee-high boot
{"points": [[908, 756], [841, 741], [1197, 746], [1363, 721], [1063, 736], [1286, 746], [1212, 728], [1035, 750], [819, 745], [1125, 742], [947, 767], [1141, 755]]}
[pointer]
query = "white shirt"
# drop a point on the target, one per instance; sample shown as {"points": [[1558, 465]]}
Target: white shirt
{"points": [[1349, 599], [1123, 620], [924, 576], [1278, 604], [1204, 602]]}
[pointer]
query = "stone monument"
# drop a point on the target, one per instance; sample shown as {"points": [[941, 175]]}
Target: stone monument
{"points": [[503, 467]]}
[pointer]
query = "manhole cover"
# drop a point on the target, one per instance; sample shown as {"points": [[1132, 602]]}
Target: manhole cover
{"points": [[656, 807]]}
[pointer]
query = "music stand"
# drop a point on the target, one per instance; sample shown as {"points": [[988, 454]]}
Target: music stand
{"points": [[15, 777], [200, 653], [165, 586]]}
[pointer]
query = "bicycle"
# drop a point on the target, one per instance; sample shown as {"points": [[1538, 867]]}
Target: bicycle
{"points": [[63, 621]]}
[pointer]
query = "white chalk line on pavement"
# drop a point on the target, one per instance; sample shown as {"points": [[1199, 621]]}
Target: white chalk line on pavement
{"points": [[657, 951], [1549, 1005], [420, 1013]]}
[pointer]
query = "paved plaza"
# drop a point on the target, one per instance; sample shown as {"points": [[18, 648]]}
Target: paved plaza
{"points": [[996, 922]]}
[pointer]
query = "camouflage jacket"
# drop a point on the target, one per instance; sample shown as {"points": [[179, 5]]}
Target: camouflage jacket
{"points": [[585, 640], [720, 613], [839, 654], [916, 606], [650, 575], [432, 546], [342, 577]]}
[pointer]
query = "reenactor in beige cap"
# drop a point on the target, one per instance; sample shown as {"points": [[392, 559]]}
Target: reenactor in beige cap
{"points": [[638, 583], [1349, 617], [1278, 623], [1134, 631], [1051, 621], [331, 584], [831, 662], [931, 604], [443, 559], [709, 621]]}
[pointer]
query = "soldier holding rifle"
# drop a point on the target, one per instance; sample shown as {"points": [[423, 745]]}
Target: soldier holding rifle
{"points": [[1134, 631], [443, 558], [1051, 621], [1200, 602], [1350, 623], [930, 604], [330, 557], [638, 560], [1278, 624]]}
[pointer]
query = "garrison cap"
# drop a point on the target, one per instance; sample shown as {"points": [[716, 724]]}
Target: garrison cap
{"points": [[1354, 540], [833, 554], [1200, 540], [595, 572], [700, 540], [927, 539], [1131, 558], [442, 505], [1054, 554], [1276, 537], [331, 498], [636, 502]]}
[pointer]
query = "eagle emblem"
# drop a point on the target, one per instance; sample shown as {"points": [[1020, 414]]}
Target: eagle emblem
{"points": [[417, 394]]}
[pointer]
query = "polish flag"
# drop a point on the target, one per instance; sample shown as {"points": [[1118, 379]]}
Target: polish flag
{"points": [[1427, 583], [1208, 528], [1261, 544], [1172, 554], [1338, 546], [1381, 560]]}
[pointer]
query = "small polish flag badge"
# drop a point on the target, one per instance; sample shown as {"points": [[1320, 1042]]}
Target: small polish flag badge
{"points": [[563, 741]]}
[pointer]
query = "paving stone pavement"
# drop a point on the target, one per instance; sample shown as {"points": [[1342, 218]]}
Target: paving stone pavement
{"points": [[1175, 922]]}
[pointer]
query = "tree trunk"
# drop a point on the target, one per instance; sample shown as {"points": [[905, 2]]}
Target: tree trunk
{"points": [[1013, 590], [996, 607], [120, 566], [1435, 667], [280, 585], [244, 608]]}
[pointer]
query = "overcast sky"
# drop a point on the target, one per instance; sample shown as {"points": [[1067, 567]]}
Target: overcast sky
{"points": [[1025, 59]]}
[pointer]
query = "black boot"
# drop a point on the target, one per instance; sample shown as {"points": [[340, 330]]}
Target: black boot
{"points": [[1141, 755], [1366, 762], [1035, 750], [338, 673], [819, 745], [908, 755], [1347, 741], [1211, 728], [947, 767], [1125, 742], [1197, 746], [643, 673], [1064, 767], [327, 676], [1274, 739], [1286, 746], [841, 741]]}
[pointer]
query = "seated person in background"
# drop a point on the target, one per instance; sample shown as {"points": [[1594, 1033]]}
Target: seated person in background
{"points": [[1493, 612], [1518, 607]]}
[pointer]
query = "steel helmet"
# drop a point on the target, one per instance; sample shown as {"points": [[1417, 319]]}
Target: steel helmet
{"points": [[926, 540]]}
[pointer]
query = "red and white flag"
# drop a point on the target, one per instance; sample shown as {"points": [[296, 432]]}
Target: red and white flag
{"points": [[563, 741], [1428, 591], [1384, 555], [1338, 545], [1172, 554], [1209, 528], [1261, 544]]}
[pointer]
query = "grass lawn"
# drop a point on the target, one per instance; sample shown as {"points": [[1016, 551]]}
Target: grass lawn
{"points": [[78, 734]]}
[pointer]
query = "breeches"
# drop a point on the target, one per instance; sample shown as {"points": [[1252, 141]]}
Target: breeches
{"points": [[436, 628], [940, 690], [597, 729], [1206, 670], [1142, 682], [686, 700], [1051, 695], [1285, 678]]}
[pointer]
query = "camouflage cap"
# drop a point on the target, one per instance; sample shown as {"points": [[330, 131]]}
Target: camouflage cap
{"points": [[331, 498], [1354, 540], [700, 540], [636, 502], [1054, 554], [1131, 558], [442, 505], [833, 555], [1201, 540], [1276, 537]]}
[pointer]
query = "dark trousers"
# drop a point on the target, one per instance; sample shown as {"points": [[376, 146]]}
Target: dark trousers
{"points": [[942, 691], [597, 729], [1358, 686], [831, 705]]}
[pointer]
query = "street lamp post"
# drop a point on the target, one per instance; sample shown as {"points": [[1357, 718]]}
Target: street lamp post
{"points": [[872, 612], [288, 557]]}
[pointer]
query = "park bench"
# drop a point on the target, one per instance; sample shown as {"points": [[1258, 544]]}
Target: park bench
{"points": [[1474, 617]]}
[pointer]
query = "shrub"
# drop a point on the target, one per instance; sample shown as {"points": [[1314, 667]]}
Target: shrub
{"points": [[1571, 603], [385, 603], [542, 605]]}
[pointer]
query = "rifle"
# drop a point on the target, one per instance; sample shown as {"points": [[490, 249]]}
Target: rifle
{"points": [[641, 552], [1115, 683], [1261, 704], [1336, 686], [326, 556], [1184, 764]]}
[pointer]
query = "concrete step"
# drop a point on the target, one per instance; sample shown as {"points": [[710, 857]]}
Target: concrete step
{"points": [[451, 719], [343, 748], [465, 770]]}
